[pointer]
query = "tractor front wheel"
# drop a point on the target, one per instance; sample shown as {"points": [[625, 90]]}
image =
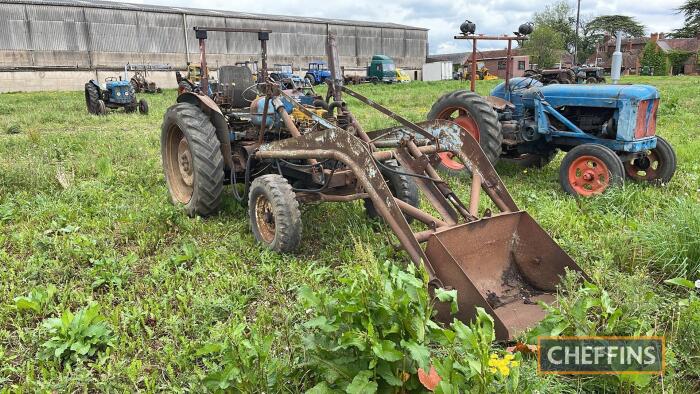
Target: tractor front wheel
{"points": [[657, 166], [101, 108], [591, 80], [143, 107], [192, 160], [590, 169], [274, 213], [402, 187], [477, 117]]}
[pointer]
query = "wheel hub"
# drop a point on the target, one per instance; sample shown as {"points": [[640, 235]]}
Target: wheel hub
{"points": [[184, 161], [588, 175], [644, 168], [265, 218], [464, 119]]}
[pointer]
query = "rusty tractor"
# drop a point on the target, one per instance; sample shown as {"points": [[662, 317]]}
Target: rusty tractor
{"points": [[140, 81], [279, 153]]}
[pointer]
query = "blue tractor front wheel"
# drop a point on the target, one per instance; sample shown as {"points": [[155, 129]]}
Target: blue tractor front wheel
{"points": [[656, 166]]}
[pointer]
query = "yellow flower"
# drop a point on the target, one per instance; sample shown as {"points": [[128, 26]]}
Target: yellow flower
{"points": [[502, 365]]}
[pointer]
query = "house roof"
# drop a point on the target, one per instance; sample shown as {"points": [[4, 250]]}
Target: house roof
{"points": [[681, 44]]}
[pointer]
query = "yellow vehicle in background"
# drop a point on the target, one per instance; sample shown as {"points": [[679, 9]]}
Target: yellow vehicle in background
{"points": [[402, 76], [486, 75]]}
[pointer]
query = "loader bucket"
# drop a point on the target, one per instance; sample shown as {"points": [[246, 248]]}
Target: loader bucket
{"points": [[505, 264]]}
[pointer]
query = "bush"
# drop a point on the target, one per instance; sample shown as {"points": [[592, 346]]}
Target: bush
{"points": [[375, 334], [78, 337], [371, 333], [653, 57]]}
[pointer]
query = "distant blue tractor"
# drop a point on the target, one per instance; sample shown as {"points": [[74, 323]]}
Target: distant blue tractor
{"points": [[284, 75], [608, 131], [317, 73], [117, 93]]}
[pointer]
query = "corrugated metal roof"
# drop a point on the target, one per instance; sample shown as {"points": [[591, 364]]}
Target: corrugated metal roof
{"points": [[206, 12]]}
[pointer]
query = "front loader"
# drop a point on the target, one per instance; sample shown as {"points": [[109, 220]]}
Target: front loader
{"points": [[284, 153]]}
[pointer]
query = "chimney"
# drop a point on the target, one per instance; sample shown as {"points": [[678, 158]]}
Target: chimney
{"points": [[662, 36], [654, 37]]}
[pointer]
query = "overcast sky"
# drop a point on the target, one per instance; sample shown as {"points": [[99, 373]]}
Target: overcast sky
{"points": [[443, 17]]}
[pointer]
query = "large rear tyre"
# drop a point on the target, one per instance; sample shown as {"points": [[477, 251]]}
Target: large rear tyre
{"points": [[402, 187], [657, 166], [590, 169], [477, 117], [274, 213], [92, 95], [192, 160]]}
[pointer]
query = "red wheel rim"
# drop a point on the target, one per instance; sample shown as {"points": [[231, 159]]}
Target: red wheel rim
{"points": [[588, 175], [464, 119], [644, 168]]}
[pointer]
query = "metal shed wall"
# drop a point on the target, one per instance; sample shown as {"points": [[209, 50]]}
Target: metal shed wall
{"points": [[64, 34]]}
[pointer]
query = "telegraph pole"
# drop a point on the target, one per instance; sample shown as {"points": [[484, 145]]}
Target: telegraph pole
{"points": [[578, 14]]}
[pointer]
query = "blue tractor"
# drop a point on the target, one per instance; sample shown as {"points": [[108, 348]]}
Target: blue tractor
{"points": [[608, 131], [117, 93], [317, 73], [284, 75]]}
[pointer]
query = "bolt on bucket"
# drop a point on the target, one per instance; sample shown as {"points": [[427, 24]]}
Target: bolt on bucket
{"points": [[505, 264]]}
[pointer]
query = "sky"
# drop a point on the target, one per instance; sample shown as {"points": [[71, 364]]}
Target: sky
{"points": [[443, 17]]}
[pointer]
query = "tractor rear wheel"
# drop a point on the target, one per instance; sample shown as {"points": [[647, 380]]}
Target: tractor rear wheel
{"points": [[477, 117], [274, 213], [590, 169], [192, 160], [92, 95], [402, 187], [657, 166], [143, 107]]}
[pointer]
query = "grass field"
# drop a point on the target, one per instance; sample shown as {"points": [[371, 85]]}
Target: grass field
{"points": [[85, 220]]}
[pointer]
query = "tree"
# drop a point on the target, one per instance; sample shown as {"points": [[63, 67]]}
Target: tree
{"points": [[611, 24], [559, 17], [691, 26], [653, 57], [544, 46]]}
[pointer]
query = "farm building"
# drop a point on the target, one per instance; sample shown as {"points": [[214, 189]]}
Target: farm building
{"points": [[60, 44]]}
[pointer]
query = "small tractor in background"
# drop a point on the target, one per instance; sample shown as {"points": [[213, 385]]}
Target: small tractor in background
{"points": [[284, 75], [589, 74], [140, 80], [573, 75], [552, 76], [317, 72], [118, 92], [278, 153], [608, 131]]}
